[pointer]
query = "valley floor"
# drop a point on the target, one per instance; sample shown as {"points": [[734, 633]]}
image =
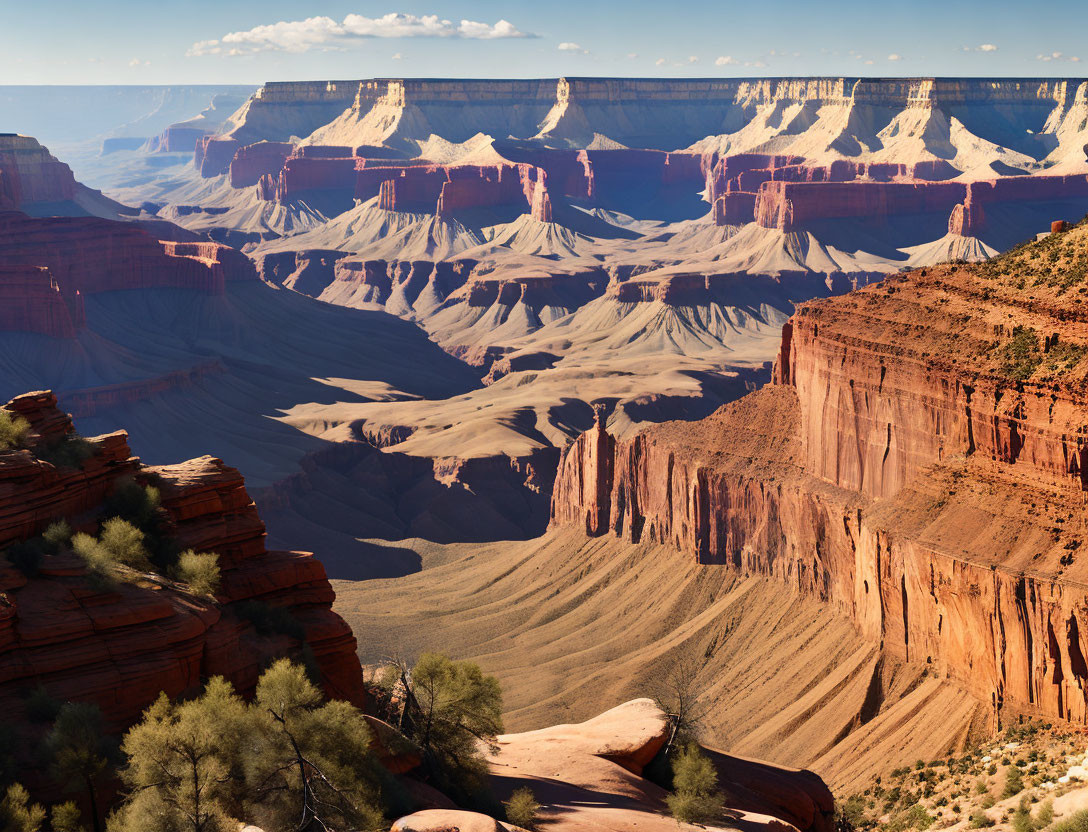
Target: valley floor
{"points": [[572, 626]]}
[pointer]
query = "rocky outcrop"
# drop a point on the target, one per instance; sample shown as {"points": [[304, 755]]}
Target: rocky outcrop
{"points": [[29, 174], [918, 464], [87, 255], [254, 161], [119, 645], [212, 156]]}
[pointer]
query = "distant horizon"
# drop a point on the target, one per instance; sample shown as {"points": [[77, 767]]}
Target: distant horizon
{"points": [[167, 85], [127, 42]]}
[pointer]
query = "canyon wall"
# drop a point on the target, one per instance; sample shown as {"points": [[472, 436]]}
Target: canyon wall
{"points": [[119, 644], [86, 255], [896, 470]]}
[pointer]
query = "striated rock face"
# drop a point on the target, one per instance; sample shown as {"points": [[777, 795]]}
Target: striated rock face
{"points": [[254, 161], [119, 646], [918, 464], [792, 205], [31, 301], [212, 156], [88, 255], [29, 174]]}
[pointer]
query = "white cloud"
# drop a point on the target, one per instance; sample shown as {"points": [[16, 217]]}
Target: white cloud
{"points": [[870, 62], [895, 57], [726, 60], [987, 47], [397, 56], [567, 46], [632, 55], [138, 62], [693, 59], [326, 33], [660, 62]]}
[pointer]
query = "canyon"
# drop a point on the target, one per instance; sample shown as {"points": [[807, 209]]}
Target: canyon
{"points": [[580, 378]]}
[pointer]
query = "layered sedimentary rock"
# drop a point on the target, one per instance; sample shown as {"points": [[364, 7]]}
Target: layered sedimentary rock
{"points": [[254, 161], [29, 174], [918, 464], [89, 255], [31, 301], [119, 644]]}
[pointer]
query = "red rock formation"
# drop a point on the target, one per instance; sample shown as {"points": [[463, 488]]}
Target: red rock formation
{"points": [[119, 646], [212, 156], [968, 219], [28, 173], [254, 161], [31, 301], [900, 470], [86, 254], [88, 401]]}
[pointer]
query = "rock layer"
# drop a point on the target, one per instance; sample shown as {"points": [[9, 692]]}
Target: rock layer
{"points": [[119, 645], [906, 467]]}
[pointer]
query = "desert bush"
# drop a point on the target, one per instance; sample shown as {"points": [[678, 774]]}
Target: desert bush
{"points": [[1014, 782], [522, 808], [1077, 822], [70, 452], [1045, 816], [13, 430], [200, 570], [696, 798], [980, 820], [57, 535]]}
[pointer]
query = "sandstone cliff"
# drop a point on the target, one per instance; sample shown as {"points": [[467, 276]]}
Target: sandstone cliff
{"points": [[119, 645], [918, 464]]}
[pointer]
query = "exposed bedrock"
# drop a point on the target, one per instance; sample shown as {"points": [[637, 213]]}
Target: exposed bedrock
{"points": [[30, 174], [31, 301], [87, 255], [896, 470], [120, 645]]}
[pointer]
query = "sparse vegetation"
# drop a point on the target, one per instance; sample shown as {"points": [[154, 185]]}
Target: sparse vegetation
{"points": [[200, 570], [522, 808], [695, 797], [447, 707], [13, 430]]}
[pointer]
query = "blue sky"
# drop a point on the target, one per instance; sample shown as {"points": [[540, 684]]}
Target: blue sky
{"points": [[239, 41]]}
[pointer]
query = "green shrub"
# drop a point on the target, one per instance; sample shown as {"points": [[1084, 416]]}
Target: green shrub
{"points": [[125, 543], [70, 452], [138, 504], [980, 820], [1021, 818], [1014, 782], [1077, 822], [57, 535], [522, 808], [1045, 816], [200, 570], [696, 799], [13, 430]]}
